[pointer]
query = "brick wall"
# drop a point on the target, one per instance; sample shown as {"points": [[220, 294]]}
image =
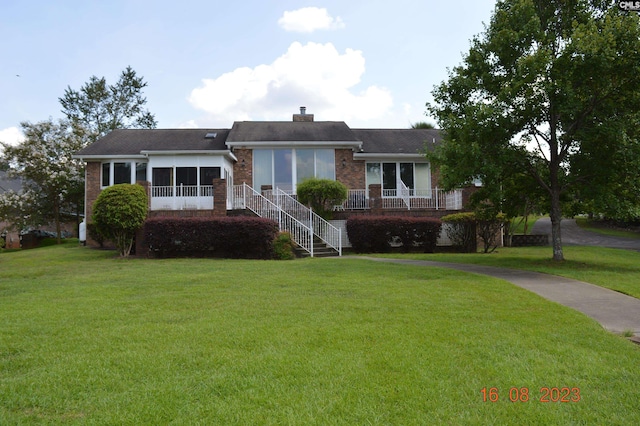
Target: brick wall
{"points": [[352, 173], [92, 187], [242, 170]]}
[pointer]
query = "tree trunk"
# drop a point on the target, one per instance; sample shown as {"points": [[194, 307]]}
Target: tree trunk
{"points": [[556, 218], [56, 213]]}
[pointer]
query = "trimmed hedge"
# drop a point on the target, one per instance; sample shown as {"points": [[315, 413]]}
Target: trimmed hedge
{"points": [[375, 234], [232, 237]]}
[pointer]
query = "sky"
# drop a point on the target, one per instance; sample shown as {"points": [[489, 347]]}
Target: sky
{"points": [[372, 64]]}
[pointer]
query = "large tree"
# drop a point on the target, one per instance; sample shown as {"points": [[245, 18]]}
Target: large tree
{"points": [[548, 84], [99, 107], [51, 178]]}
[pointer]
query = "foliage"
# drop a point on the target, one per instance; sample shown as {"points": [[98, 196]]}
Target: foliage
{"points": [[322, 195], [547, 85], [489, 225], [283, 247], [99, 108], [118, 212], [233, 237], [94, 234], [422, 125], [52, 179], [461, 230], [375, 234]]}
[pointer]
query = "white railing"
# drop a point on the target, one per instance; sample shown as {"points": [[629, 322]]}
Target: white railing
{"points": [[357, 199], [435, 199], [328, 233], [405, 193], [182, 197], [246, 197]]}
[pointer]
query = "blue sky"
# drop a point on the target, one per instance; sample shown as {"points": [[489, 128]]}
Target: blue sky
{"points": [[372, 64]]}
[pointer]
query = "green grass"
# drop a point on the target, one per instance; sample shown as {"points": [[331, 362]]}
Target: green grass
{"points": [[595, 226], [519, 223], [87, 338], [615, 269]]}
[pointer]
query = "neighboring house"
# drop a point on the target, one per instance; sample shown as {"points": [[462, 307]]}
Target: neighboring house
{"points": [[200, 172], [7, 184]]}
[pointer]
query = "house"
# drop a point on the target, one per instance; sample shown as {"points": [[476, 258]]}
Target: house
{"points": [[200, 172]]}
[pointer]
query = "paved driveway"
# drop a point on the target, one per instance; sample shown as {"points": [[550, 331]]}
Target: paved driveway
{"points": [[572, 234]]}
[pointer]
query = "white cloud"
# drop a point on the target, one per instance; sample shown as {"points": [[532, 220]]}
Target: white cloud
{"points": [[308, 20], [314, 75], [11, 136]]}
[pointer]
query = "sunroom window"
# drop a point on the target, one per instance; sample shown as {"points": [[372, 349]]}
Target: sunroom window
{"points": [[285, 168]]}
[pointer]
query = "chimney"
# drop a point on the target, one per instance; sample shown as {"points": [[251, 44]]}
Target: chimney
{"points": [[303, 116]]}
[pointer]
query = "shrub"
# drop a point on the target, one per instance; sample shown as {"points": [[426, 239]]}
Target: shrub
{"points": [[321, 195], [95, 235], [283, 247], [119, 211], [235, 237], [374, 234], [461, 230], [489, 226]]}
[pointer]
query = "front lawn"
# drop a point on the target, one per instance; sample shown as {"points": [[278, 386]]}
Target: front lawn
{"points": [[87, 338]]}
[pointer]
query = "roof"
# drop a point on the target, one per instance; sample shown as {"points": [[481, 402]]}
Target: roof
{"points": [[290, 131], [366, 142], [124, 142], [397, 141]]}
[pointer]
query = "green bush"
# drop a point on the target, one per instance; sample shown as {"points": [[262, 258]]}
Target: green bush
{"points": [[119, 212], [283, 247], [222, 237], [461, 230], [322, 195], [374, 234]]}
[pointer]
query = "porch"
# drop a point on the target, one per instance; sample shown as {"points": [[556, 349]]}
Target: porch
{"points": [[201, 197]]}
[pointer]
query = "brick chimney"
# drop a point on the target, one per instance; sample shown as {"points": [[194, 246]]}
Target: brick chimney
{"points": [[303, 116]]}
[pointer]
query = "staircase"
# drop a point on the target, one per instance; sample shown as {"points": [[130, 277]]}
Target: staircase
{"points": [[314, 236]]}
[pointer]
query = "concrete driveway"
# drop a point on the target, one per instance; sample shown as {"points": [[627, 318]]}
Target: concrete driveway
{"points": [[572, 234]]}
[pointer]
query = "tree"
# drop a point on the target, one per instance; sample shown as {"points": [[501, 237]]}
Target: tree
{"points": [[321, 195], [547, 83], [119, 211], [99, 108], [422, 125], [51, 178]]}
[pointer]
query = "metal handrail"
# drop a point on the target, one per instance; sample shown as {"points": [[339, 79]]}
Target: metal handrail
{"points": [[328, 233], [247, 197]]}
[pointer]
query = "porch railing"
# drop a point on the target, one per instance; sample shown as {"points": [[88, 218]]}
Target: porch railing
{"points": [[182, 197], [325, 231], [435, 199], [245, 196]]}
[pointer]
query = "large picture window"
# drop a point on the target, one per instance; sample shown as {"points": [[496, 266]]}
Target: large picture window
{"points": [[282, 168]]}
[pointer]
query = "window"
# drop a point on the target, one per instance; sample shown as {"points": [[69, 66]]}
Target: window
{"points": [[106, 173], [280, 168], [325, 164], [282, 171], [208, 174], [186, 176], [141, 172], [162, 176], [416, 176], [121, 173], [262, 168], [305, 164], [373, 174], [389, 176]]}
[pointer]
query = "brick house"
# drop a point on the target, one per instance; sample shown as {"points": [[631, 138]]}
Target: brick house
{"points": [[212, 172]]}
